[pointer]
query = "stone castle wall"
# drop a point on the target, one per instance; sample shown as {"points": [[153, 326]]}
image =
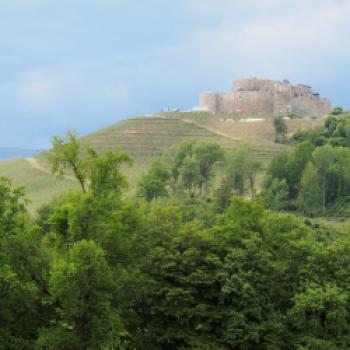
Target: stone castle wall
{"points": [[266, 97]]}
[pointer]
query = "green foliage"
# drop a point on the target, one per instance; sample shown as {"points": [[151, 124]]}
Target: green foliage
{"points": [[207, 155], [190, 173], [336, 131], [103, 171], [154, 183], [276, 194], [323, 159], [310, 191], [337, 111], [316, 177], [104, 273], [66, 153], [223, 194], [320, 317], [98, 173], [280, 126], [95, 270], [289, 167], [22, 272], [192, 165], [12, 206], [243, 167], [81, 284]]}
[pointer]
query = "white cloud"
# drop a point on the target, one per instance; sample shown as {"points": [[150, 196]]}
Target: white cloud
{"points": [[304, 37]]}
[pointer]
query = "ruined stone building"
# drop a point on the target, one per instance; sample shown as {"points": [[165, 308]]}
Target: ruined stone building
{"points": [[266, 97]]}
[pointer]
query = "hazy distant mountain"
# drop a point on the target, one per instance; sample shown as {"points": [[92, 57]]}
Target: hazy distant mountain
{"points": [[14, 152]]}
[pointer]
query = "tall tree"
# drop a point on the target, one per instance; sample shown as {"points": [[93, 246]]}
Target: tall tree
{"points": [[81, 284], [342, 168], [190, 173], [252, 167], [207, 155], [202, 155], [97, 172], [103, 171], [310, 195], [323, 159], [66, 154], [236, 168], [243, 167], [319, 315], [154, 183], [22, 272], [275, 194], [280, 126]]}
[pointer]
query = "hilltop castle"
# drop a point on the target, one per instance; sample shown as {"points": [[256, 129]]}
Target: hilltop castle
{"points": [[266, 97]]}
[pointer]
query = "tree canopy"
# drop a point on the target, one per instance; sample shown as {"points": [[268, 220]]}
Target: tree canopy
{"points": [[199, 257]]}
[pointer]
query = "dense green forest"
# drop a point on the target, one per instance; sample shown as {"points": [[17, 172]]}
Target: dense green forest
{"points": [[314, 177], [213, 251]]}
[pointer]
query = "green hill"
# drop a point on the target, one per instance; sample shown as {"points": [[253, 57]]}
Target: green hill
{"points": [[39, 183], [145, 139]]}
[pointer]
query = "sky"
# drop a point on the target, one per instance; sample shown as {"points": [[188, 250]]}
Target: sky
{"points": [[83, 64]]}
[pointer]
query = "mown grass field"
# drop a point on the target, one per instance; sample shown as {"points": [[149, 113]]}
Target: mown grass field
{"points": [[145, 139]]}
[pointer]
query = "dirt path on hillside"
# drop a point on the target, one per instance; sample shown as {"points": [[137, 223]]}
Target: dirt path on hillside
{"points": [[35, 164]]}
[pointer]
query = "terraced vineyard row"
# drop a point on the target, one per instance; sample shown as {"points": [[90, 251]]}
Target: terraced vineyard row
{"points": [[147, 138]]}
